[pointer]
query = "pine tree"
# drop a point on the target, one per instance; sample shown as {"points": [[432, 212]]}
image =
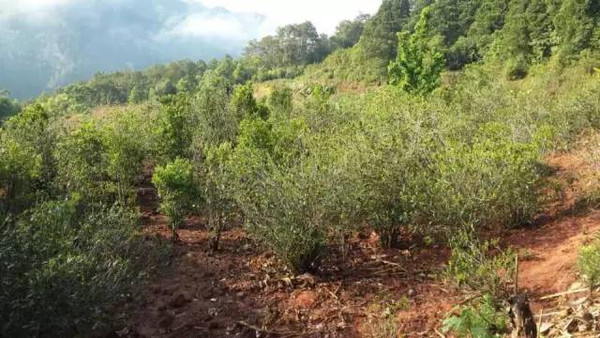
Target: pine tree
{"points": [[420, 60], [576, 23], [380, 36]]}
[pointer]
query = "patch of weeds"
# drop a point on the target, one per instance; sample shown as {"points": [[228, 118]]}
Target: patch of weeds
{"points": [[526, 254], [484, 269], [380, 326], [589, 262], [479, 319], [480, 266]]}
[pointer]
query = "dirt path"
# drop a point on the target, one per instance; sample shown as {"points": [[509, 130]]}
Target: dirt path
{"points": [[241, 291]]}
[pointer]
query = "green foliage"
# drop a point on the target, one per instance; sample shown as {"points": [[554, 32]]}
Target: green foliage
{"points": [[174, 127], [177, 189], [481, 320], [280, 101], [481, 266], [577, 26], [34, 128], [217, 191], [420, 61], [493, 179], [311, 162], [20, 169], [127, 146], [215, 122], [380, 36], [100, 162], [348, 32], [243, 104], [277, 193], [589, 262], [137, 95], [295, 45], [8, 106], [63, 268], [82, 165]]}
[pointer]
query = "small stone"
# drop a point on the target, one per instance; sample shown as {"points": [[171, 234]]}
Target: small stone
{"points": [[545, 328], [213, 312], [412, 293], [584, 327], [179, 300], [166, 321]]}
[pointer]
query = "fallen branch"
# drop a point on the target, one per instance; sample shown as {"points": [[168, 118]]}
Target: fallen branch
{"points": [[516, 274], [258, 329], [564, 293], [471, 298], [540, 322], [392, 264], [549, 314]]}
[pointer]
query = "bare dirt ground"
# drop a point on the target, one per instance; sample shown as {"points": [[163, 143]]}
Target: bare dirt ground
{"points": [[242, 291]]}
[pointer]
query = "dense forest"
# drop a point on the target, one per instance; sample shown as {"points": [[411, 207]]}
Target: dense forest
{"points": [[429, 120]]}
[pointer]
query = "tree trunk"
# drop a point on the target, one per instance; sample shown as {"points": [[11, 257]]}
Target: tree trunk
{"points": [[521, 317]]}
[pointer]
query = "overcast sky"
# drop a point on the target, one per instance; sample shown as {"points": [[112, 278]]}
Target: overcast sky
{"points": [[49, 43], [325, 14]]}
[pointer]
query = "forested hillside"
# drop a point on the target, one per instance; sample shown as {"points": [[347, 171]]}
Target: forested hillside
{"points": [[410, 137]]}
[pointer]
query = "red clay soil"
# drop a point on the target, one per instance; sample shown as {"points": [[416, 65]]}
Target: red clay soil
{"points": [[242, 291], [549, 251]]}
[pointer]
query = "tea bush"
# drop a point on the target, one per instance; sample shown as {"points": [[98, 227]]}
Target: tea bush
{"points": [[20, 168], [482, 267], [177, 189], [174, 127], [589, 262], [278, 193], [82, 165], [63, 267], [217, 190]]}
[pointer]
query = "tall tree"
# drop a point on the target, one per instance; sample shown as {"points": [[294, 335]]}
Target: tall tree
{"points": [[576, 25], [348, 32], [8, 106], [420, 59], [380, 37]]}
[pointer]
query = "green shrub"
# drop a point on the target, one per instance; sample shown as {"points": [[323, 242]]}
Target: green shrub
{"points": [[127, 145], [287, 218], [20, 168], [278, 193], [177, 190], [589, 262], [36, 129], [481, 266], [420, 59], [82, 165], [492, 180], [517, 68], [217, 190], [174, 127], [481, 320], [62, 268]]}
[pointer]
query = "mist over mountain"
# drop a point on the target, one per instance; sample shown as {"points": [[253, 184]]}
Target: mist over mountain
{"points": [[52, 43]]}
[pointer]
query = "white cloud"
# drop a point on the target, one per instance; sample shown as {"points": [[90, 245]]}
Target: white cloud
{"points": [[31, 6], [215, 25], [32, 10], [325, 14]]}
